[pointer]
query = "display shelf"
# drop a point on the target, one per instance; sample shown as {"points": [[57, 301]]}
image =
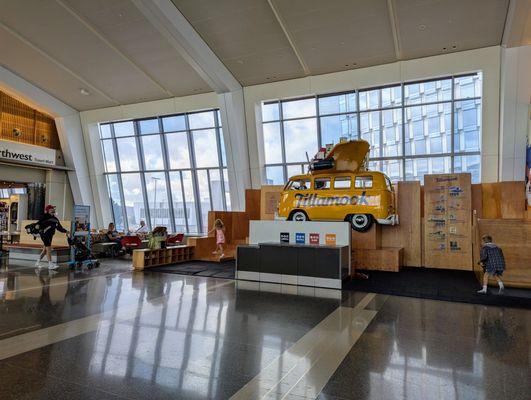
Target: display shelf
{"points": [[144, 258]]}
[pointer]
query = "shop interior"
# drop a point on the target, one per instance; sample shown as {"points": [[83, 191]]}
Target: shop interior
{"points": [[265, 200]]}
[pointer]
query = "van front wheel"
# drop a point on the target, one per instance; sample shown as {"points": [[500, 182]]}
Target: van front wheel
{"points": [[361, 222], [298, 216]]}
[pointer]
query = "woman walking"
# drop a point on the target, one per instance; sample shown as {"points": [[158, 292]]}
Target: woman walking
{"points": [[47, 226]]}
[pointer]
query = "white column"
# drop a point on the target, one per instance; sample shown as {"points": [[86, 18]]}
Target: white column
{"points": [[73, 147], [515, 99], [232, 110]]}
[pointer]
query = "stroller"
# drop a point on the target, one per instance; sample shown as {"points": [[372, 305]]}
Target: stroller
{"points": [[80, 254]]}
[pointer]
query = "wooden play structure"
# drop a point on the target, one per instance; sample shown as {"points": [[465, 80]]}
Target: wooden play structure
{"points": [[420, 239]]}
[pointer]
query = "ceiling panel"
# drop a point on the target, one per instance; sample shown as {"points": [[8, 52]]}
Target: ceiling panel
{"points": [[340, 34], [429, 27], [122, 24], [246, 36], [51, 28], [40, 71]]}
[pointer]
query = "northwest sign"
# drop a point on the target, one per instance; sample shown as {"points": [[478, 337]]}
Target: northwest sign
{"points": [[14, 151]]}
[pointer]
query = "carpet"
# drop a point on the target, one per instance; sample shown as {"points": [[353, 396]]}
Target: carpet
{"points": [[223, 270], [438, 284]]}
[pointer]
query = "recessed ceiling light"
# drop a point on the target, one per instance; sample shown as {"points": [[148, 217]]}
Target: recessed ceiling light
{"points": [[422, 27], [84, 92], [444, 49], [454, 47]]}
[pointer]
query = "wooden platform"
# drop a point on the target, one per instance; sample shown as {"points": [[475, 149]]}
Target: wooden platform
{"points": [[384, 259]]}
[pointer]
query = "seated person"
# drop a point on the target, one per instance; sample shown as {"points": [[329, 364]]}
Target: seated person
{"points": [[143, 228], [112, 235]]}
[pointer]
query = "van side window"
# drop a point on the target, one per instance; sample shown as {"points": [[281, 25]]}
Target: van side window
{"points": [[342, 182], [322, 183], [363, 182], [301, 184]]}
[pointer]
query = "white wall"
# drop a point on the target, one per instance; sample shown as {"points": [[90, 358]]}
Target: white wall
{"points": [[486, 60], [515, 98]]}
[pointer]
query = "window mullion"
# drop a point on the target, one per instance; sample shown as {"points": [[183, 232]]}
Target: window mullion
{"points": [[282, 142], [195, 185], [119, 180], [403, 133], [217, 122], [166, 163], [140, 155], [185, 211], [452, 124]]}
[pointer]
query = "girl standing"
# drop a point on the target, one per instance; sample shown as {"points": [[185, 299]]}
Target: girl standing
{"points": [[220, 237]]}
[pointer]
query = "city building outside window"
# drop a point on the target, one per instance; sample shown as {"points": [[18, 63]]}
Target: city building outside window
{"points": [[414, 128], [169, 170]]}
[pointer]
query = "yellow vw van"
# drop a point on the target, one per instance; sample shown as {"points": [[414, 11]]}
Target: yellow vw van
{"points": [[340, 188], [359, 198]]}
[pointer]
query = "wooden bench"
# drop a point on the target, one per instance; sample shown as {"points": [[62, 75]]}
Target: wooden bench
{"points": [[31, 251]]}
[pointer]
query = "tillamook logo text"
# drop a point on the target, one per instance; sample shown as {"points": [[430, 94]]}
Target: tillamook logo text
{"points": [[312, 200]]}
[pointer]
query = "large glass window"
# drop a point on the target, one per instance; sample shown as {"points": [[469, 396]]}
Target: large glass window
{"points": [[414, 128], [166, 171]]}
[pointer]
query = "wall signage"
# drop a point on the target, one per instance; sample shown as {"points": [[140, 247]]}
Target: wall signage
{"points": [[300, 238], [284, 237], [26, 153], [330, 239], [314, 238]]}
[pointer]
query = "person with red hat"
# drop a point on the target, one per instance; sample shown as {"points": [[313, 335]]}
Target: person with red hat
{"points": [[47, 225]]}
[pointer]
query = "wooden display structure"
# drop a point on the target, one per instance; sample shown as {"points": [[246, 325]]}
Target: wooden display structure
{"points": [[514, 238], [367, 252], [448, 221], [145, 258]]}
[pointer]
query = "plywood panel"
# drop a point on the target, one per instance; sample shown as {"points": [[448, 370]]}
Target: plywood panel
{"points": [[477, 199], [514, 238], [407, 233], [252, 203], [491, 200], [384, 259], [512, 203], [372, 239], [34, 127], [448, 221], [269, 198]]}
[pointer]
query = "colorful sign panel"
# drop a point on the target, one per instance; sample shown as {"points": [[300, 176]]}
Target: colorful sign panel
{"points": [[314, 238], [284, 237], [330, 239], [300, 238]]}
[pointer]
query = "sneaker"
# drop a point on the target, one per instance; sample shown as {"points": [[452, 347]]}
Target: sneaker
{"points": [[482, 291], [38, 264], [214, 252], [53, 266], [501, 289], [222, 255]]}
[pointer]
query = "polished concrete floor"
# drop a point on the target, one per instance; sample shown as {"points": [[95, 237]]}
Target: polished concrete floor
{"points": [[113, 333]]}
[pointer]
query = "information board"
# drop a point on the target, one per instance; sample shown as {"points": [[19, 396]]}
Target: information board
{"points": [[448, 221]]}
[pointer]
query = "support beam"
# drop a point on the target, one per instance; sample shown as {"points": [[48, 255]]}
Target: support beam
{"points": [[234, 133], [172, 24], [391, 7], [287, 33]]}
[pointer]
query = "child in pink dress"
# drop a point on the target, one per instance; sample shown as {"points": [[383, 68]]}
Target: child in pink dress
{"points": [[220, 237]]}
